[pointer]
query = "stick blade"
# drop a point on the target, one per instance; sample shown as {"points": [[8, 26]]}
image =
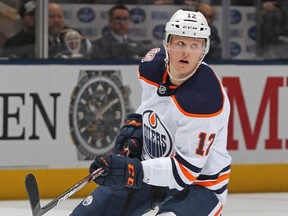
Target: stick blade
{"points": [[33, 194]]}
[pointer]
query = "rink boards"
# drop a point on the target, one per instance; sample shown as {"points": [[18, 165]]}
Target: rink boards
{"points": [[35, 134]]}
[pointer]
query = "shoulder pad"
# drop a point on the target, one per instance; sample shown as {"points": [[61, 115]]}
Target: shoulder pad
{"points": [[201, 94]]}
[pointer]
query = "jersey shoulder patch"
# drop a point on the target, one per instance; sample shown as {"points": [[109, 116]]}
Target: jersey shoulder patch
{"points": [[150, 55], [152, 66]]}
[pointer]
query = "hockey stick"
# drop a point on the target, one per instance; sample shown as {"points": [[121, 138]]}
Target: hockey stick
{"points": [[34, 196]]}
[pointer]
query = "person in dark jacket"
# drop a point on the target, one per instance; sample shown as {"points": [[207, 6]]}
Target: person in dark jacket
{"points": [[116, 43], [21, 45], [215, 41]]}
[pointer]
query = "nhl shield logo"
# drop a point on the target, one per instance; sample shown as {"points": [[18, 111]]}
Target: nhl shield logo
{"points": [[162, 89]]}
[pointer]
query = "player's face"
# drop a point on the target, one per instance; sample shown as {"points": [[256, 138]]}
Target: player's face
{"points": [[184, 54]]}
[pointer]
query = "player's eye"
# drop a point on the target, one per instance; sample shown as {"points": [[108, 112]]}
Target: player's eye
{"points": [[194, 46], [180, 43], [182, 46]]}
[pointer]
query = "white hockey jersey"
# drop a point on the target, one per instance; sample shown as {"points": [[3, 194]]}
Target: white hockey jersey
{"points": [[184, 128]]}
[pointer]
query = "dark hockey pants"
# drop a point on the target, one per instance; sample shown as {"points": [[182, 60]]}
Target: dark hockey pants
{"points": [[106, 201]]}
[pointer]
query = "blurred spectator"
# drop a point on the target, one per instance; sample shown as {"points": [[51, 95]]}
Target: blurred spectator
{"points": [[163, 2], [278, 10], [274, 34], [57, 30], [243, 2], [235, 2], [191, 2], [116, 43], [106, 1], [21, 45], [215, 51], [117, 1]]}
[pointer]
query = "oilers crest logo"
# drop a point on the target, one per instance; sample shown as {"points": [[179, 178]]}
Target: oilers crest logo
{"points": [[157, 140]]}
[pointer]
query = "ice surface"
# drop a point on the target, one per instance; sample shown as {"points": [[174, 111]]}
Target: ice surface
{"points": [[264, 204]]}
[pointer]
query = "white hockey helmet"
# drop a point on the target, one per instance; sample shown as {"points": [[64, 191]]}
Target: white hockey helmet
{"points": [[189, 24]]}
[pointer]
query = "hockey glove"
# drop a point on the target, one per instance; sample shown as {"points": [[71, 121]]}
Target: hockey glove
{"points": [[130, 136], [119, 171]]}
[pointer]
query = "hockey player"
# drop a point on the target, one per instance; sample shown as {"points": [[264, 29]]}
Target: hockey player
{"points": [[184, 165]]}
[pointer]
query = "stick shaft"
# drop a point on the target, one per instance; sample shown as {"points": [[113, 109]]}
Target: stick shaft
{"points": [[34, 197]]}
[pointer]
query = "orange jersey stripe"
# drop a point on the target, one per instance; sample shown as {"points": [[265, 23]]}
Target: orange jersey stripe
{"points": [[196, 115], [219, 211], [186, 173], [156, 84], [212, 183], [148, 81]]}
